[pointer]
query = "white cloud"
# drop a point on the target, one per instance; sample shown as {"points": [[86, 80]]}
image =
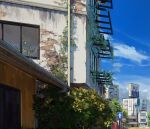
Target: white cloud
{"points": [[117, 67], [143, 82], [106, 36], [144, 65], [129, 52]]}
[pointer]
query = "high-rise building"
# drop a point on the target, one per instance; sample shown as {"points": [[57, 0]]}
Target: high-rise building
{"points": [[133, 90], [112, 92], [131, 104]]}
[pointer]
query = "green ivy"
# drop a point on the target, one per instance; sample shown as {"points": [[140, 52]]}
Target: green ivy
{"points": [[60, 69]]}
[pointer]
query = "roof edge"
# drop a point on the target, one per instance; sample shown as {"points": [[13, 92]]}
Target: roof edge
{"points": [[9, 55]]}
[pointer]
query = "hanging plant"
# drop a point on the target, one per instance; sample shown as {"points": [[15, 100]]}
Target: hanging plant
{"points": [[101, 1], [98, 40], [103, 76], [107, 75]]}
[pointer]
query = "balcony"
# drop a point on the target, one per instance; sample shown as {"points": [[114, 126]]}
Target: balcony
{"points": [[104, 4], [103, 77], [101, 47]]}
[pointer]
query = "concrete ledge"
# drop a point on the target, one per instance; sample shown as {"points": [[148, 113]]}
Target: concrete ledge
{"points": [[44, 6], [33, 4]]}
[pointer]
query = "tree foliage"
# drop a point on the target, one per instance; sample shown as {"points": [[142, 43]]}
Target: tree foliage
{"points": [[148, 118], [117, 107], [82, 109]]}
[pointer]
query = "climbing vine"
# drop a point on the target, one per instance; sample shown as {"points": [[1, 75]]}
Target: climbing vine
{"points": [[60, 69]]}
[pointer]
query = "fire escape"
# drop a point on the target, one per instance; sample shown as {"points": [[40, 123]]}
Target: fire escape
{"points": [[103, 18], [101, 47]]}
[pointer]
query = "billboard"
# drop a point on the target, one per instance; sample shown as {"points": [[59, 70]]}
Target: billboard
{"points": [[133, 90]]}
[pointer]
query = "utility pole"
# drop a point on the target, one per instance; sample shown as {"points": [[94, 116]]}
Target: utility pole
{"points": [[69, 37]]}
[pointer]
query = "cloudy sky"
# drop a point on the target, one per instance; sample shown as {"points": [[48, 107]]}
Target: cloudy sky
{"points": [[131, 41]]}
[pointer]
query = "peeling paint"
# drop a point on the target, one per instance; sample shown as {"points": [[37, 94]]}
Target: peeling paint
{"points": [[78, 5], [2, 13], [50, 27], [52, 24]]}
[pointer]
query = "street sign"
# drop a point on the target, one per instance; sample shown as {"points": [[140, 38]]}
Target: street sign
{"points": [[119, 115]]}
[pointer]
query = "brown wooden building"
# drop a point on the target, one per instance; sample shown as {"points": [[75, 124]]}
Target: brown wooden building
{"points": [[18, 77]]}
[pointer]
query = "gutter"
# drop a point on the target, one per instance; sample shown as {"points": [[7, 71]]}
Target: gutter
{"points": [[11, 56]]}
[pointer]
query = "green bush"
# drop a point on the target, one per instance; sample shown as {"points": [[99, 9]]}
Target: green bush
{"points": [[82, 109]]}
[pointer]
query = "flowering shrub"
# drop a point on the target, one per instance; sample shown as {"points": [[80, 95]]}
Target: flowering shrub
{"points": [[82, 109]]}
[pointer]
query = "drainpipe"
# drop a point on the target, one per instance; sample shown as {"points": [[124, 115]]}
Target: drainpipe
{"points": [[69, 37]]}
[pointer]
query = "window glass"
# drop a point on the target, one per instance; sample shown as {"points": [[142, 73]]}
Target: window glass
{"points": [[12, 35], [0, 31], [30, 41]]}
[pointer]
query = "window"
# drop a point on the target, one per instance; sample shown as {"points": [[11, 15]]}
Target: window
{"points": [[143, 114], [12, 35], [143, 120], [9, 110], [93, 62], [23, 37], [30, 41], [92, 2], [0, 31]]}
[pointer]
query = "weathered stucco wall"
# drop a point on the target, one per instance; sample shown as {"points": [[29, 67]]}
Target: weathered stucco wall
{"points": [[49, 2], [52, 24], [57, 3], [79, 6], [79, 54]]}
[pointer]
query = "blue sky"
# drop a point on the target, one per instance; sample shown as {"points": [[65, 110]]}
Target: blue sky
{"points": [[131, 41]]}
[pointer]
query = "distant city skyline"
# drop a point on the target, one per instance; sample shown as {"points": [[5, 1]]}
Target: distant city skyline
{"points": [[131, 28]]}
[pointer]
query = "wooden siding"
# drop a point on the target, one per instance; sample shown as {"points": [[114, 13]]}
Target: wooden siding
{"points": [[15, 78]]}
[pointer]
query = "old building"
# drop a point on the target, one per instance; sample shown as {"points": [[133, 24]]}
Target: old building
{"points": [[18, 83], [24, 35], [40, 28], [37, 29]]}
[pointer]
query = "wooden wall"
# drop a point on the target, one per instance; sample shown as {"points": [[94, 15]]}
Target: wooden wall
{"points": [[15, 78]]}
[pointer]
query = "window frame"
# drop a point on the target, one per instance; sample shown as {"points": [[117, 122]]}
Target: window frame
{"points": [[93, 65], [93, 62], [21, 25]]}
